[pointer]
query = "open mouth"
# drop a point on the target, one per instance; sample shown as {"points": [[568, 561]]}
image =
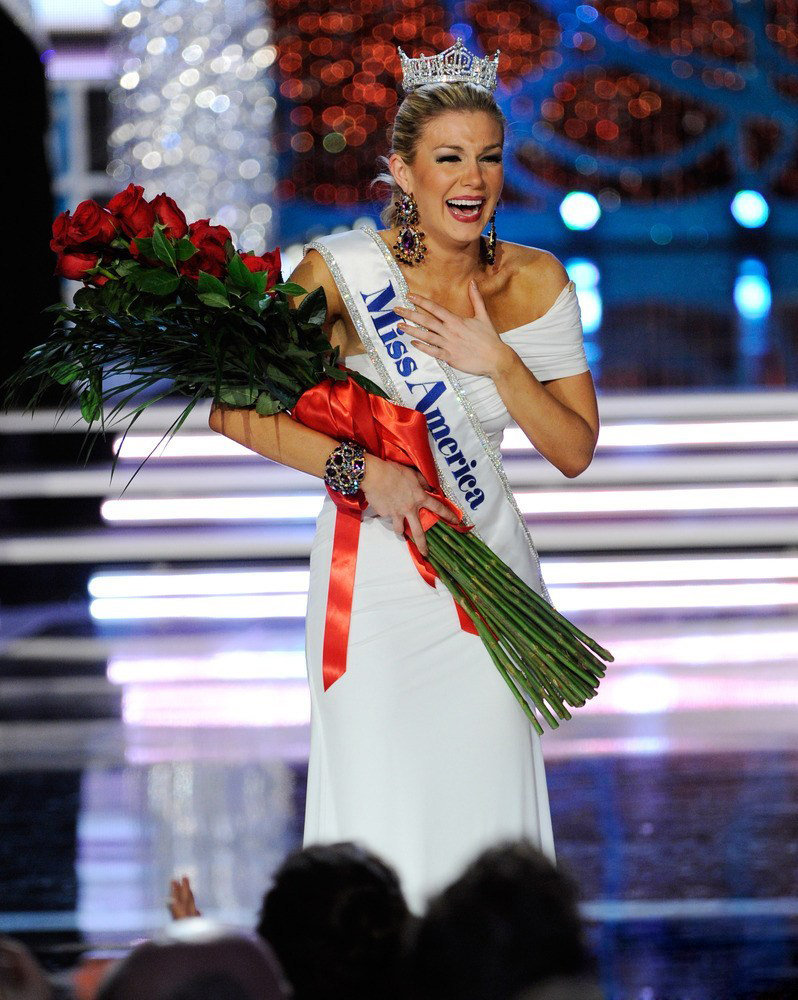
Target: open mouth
{"points": [[465, 209]]}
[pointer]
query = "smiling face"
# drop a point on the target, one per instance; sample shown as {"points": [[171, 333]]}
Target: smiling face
{"points": [[457, 175]]}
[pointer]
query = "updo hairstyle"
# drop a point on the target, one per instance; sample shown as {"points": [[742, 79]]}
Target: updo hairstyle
{"points": [[420, 107]]}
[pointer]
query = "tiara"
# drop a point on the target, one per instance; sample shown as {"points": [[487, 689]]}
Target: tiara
{"points": [[455, 65]]}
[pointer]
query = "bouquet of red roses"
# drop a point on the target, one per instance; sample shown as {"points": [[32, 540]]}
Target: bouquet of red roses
{"points": [[163, 299], [166, 299]]}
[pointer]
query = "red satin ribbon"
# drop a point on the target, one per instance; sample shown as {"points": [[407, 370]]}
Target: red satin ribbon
{"points": [[346, 411]]}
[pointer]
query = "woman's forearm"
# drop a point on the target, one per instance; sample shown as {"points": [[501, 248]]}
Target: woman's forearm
{"points": [[559, 434], [278, 437]]}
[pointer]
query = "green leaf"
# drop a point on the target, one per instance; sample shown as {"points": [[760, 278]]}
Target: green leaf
{"points": [[127, 267], [313, 308], [237, 395], [266, 406], [162, 245], [253, 300], [65, 372], [214, 300], [208, 283], [144, 244], [260, 280], [289, 288], [185, 249], [155, 281], [90, 405], [241, 276], [86, 298], [274, 373]]}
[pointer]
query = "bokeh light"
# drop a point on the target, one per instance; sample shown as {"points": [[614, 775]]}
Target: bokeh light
{"points": [[580, 210], [750, 209]]}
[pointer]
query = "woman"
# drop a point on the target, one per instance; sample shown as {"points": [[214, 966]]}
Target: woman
{"points": [[418, 749]]}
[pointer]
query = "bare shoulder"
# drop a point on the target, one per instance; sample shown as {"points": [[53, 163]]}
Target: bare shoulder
{"points": [[535, 270], [312, 272]]}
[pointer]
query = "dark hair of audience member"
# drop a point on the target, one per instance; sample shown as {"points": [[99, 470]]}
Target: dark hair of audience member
{"points": [[508, 923], [337, 921]]}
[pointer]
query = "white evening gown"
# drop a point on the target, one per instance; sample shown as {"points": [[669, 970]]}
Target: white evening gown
{"points": [[419, 751]]}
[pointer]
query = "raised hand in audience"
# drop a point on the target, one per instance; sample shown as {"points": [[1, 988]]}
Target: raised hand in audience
{"points": [[181, 899]]}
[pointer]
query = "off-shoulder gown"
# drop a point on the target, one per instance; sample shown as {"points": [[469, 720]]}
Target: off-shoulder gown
{"points": [[420, 752]]}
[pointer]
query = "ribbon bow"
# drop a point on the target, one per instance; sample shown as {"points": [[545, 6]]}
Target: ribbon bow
{"points": [[345, 410]]}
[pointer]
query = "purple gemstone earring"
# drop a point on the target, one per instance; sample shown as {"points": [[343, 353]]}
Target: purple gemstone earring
{"points": [[409, 247]]}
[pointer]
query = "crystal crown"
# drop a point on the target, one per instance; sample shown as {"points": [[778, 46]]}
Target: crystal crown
{"points": [[455, 65]]}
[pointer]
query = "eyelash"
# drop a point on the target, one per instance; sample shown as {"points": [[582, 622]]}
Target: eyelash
{"points": [[451, 158]]}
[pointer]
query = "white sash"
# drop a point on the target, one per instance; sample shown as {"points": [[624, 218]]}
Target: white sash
{"points": [[470, 468]]}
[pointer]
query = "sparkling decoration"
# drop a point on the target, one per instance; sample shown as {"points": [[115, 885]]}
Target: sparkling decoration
{"points": [[454, 65], [194, 108], [345, 468]]}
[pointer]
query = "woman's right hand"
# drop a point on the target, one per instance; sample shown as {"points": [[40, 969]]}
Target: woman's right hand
{"points": [[398, 491]]}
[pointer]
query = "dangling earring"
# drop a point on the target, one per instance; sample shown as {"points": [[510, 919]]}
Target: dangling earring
{"points": [[409, 247], [490, 251]]}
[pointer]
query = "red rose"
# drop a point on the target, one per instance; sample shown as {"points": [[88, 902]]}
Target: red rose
{"points": [[91, 225], [136, 215], [167, 212], [211, 255], [75, 266], [267, 262]]}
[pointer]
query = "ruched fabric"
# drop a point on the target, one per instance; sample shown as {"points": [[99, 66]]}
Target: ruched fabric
{"points": [[420, 751]]}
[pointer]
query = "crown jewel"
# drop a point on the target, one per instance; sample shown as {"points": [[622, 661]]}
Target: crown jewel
{"points": [[455, 65]]}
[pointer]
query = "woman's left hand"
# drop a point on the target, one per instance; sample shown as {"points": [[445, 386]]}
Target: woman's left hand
{"points": [[469, 344]]}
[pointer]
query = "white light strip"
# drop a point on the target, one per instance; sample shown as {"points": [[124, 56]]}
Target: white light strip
{"points": [[741, 648], [669, 570], [646, 692], [283, 507], [671, 435], [616, 598], [237, 606], [182, 445], [199, 584], [682, 596], [642, 500], [261, 704], [277, 704], [232, 665], [611, 436], [558, 573], [705, 650], [540, 503]]}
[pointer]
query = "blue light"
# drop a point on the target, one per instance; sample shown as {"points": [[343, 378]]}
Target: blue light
{"points": [[582, 272], [590, 306], [580, 210], [750, 209], [752, 296], [586, 13], [585, 275], [463, 30]]}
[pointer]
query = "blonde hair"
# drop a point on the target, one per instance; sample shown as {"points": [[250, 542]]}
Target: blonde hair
{"points": [[417, 110]]}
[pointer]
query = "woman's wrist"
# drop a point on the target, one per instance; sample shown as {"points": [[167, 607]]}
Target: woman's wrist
{"points": [[345, 468], [505, 361], [373, 464]]}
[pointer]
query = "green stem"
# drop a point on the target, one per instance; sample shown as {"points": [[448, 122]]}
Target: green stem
{"points": [[536, 598], [447, 571], [559, 644], [495, 651], [551, 675], [528, 657]]}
